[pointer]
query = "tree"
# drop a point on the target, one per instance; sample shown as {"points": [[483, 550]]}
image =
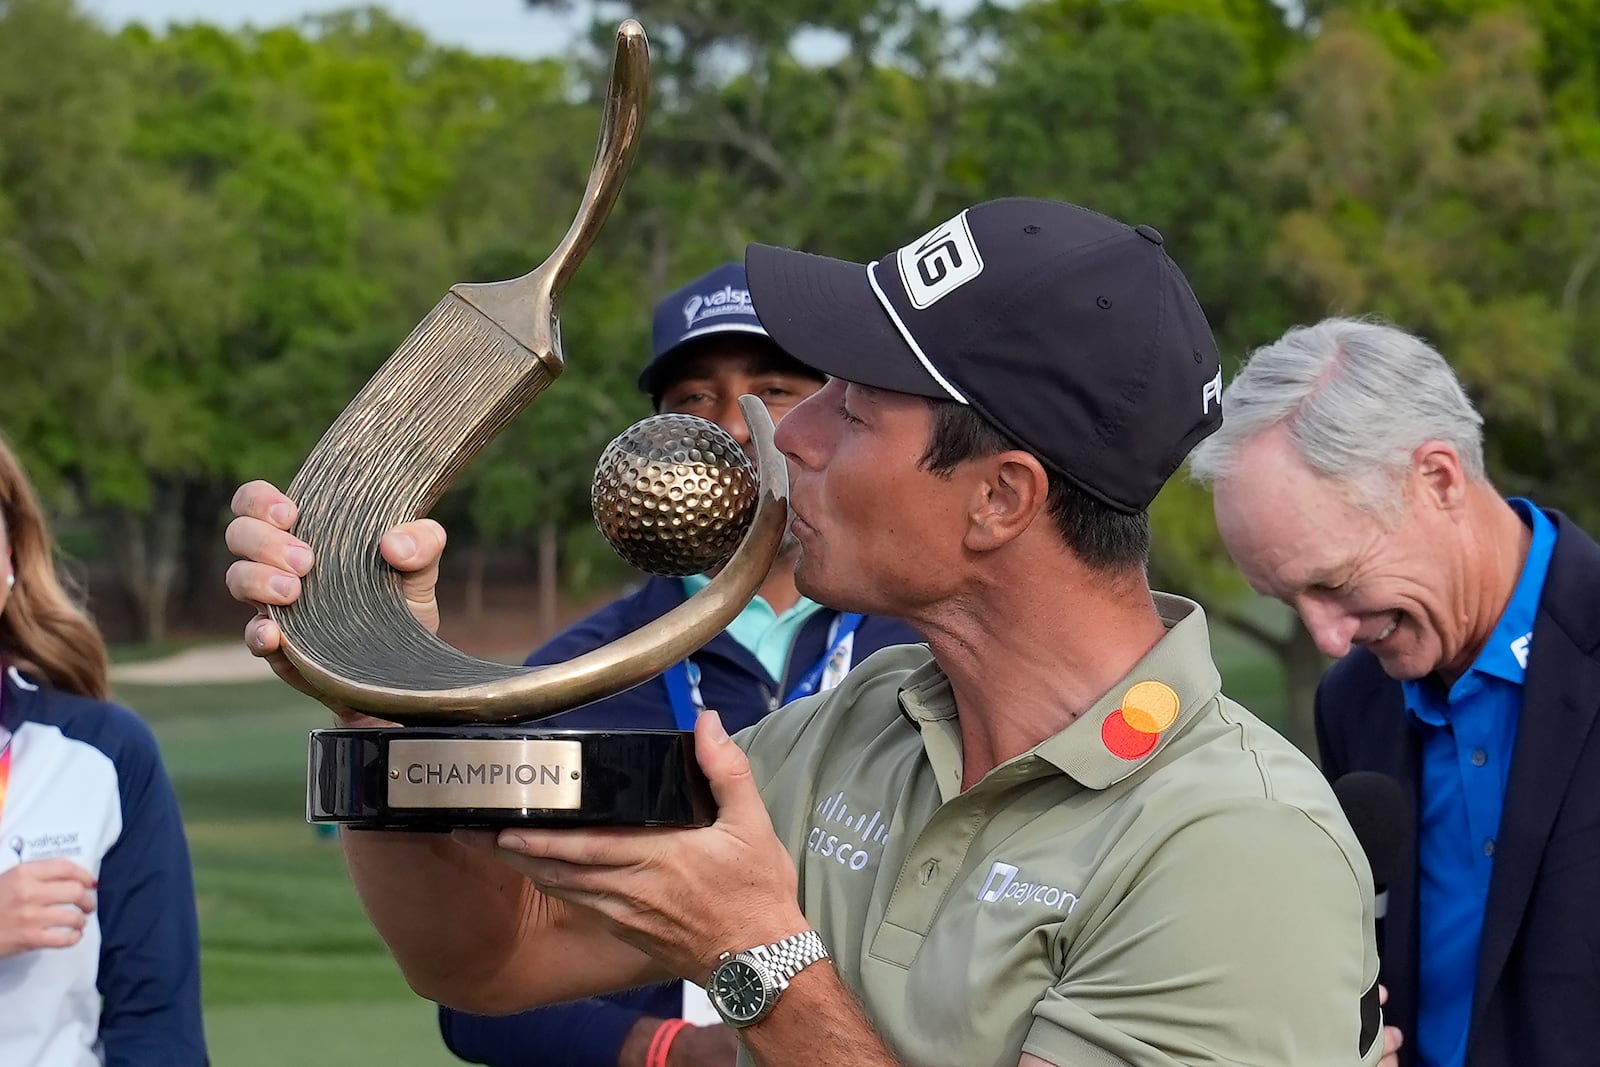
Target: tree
{"points": [[130, 281], [1445, 197]]}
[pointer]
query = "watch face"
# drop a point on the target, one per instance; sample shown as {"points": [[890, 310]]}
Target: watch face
{"points": [[739, 990]]}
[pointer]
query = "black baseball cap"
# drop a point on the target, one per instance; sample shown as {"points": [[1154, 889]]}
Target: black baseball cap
{"points": [[1073, 334]]}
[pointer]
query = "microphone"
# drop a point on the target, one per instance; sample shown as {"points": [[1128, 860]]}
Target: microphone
{"points": [[1380, 812]]}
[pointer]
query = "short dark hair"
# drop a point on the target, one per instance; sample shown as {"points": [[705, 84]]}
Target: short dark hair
{"points": [[1101, 536]]}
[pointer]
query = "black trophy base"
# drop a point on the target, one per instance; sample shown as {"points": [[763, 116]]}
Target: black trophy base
{"points": [[442, 779]]}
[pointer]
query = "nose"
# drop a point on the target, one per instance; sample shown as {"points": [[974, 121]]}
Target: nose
{"points": [[797, 436], [1331, 628], [730, 418]]}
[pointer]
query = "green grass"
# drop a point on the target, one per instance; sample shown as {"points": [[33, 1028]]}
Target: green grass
{"points": [[293, 973]]}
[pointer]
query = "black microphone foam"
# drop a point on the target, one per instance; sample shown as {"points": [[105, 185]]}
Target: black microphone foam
{"points": [[1379, 811]]}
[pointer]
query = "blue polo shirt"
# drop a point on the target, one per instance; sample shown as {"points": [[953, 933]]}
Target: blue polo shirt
{"points": [[1467, 738]]}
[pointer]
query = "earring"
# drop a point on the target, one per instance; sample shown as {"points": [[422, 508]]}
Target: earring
{"points": [[11, 580]]}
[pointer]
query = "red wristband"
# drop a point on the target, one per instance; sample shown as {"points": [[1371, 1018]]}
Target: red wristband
{"points": [[661, 1042]]}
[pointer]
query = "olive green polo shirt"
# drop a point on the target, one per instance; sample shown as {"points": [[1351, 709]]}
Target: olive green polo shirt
{"points": [[1165, 881]]}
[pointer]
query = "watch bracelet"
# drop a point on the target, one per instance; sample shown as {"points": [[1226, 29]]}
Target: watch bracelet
{"points": [[793, 954]]}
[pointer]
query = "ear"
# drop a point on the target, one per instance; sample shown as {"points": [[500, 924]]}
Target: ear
{"points": [[1438, 476], [1007, 496]]}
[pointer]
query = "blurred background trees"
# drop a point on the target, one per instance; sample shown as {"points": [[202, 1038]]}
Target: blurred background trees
{"points": [[209, 239]]}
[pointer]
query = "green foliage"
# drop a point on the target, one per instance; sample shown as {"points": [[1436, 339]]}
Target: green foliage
{"points": [[1449, 198], [210, 239]]}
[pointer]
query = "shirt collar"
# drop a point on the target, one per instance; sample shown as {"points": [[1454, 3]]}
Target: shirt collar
{"points": [[758, 608], [1116, 736], [1505, 654]]}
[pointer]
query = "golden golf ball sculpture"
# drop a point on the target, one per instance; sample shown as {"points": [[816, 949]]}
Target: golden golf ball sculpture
{"points": [[674, 494]]}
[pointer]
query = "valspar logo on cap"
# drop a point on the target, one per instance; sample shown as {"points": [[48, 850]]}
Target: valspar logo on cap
{"points": [[1004, 885], [940, 262], [725, 301]]}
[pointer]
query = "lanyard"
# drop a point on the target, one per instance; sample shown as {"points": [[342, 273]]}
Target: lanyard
{"points": [[839, 645], [5, 771], [683, 677], [683, 691]]}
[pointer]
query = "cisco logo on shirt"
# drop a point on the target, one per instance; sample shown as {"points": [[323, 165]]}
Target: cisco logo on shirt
{"points": [[856, 838], [1004, 885]]}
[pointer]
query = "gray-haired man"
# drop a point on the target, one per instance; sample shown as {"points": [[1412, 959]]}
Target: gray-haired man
{"points": [[1350, 485]]}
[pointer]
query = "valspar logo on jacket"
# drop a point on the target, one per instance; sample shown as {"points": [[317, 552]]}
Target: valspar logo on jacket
{"points": [[45, 846], [1005, 885]]}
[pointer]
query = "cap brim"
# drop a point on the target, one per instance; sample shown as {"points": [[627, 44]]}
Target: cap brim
{"points": [[651, 379], [823, 312]]}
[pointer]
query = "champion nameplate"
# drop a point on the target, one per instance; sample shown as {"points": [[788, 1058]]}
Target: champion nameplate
{"points": [[486, 773]]}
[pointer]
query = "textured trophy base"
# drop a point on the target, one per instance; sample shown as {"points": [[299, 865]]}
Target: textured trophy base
{"points": [[442, 779]]}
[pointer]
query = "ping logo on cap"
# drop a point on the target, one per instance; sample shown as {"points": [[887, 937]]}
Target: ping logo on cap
{"points": [[1132, 730], [939, 262]]}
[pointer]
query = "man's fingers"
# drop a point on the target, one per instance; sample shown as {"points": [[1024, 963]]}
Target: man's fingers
{"points": [[479, 840], [260, 585], [1392, 1040], [262, 636], [584, 848], [263, 544], [263, 500]]}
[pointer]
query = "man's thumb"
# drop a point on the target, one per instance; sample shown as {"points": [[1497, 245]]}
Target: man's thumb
{"points": [[725, 766]]}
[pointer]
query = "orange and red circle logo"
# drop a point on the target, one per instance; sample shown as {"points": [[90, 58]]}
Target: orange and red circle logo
{"points": [[1133, 729]]}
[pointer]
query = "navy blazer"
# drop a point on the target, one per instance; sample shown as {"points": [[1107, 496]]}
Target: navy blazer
{"points": [[1538, 980]]}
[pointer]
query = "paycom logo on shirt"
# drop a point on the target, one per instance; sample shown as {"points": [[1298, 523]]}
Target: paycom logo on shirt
{"points": [[1005, 884]]}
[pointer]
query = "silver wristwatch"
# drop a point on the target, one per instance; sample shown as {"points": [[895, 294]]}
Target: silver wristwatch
{"points": [[745, 985]]}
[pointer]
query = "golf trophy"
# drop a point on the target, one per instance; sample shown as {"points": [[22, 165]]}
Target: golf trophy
{"points": [[673, 494]]}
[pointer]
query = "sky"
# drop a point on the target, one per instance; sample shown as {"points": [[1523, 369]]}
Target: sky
{"points": [[499, 27]]}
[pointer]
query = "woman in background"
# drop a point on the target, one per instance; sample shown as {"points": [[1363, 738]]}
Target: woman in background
{"points": [[99, 949]]}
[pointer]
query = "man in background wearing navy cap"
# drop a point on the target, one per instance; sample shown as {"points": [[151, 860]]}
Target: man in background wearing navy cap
{"points": [[1044, 838], [708, 350]]}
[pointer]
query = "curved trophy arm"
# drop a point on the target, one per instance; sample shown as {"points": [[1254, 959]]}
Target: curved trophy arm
{"points": [[520, 694], [477, 360]]}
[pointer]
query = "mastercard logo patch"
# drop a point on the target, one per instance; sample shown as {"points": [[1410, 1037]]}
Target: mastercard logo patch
{"points": [[1133, 729]]}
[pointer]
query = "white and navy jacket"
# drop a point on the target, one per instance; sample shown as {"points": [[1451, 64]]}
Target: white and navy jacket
{"points": [[87, 784]]}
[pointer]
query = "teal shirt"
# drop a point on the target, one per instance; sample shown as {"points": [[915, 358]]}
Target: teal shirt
{"points": [[767, 635]]}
